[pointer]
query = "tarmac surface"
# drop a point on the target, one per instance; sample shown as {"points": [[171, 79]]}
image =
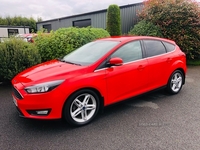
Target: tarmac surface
{"points": [[157, 121]]}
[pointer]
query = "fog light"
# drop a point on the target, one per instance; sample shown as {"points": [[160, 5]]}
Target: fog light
{"points": [[43, 112]]}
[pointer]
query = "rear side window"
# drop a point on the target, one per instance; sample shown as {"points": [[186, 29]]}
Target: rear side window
{"points": [[170, 47], [154, 48]]}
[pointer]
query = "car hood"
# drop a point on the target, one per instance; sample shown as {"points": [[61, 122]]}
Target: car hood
{"points": [[48, 71]]}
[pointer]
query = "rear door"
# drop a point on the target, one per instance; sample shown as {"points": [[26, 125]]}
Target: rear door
{"points": [[159, 63]]}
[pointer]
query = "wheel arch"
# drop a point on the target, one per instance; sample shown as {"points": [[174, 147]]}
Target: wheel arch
{"points": [[183, 72], [179, 65], [101, 98]]}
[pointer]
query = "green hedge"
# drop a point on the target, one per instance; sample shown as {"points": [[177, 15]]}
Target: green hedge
{"points": [[15, 56], [146, 28], [64, 40]]}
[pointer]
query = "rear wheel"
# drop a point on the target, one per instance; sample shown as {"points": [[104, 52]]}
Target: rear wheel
{"points": [[175, 82], [81, 108]]}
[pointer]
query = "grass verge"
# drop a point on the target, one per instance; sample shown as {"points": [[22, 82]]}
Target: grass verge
{"points": [[193, 62]]}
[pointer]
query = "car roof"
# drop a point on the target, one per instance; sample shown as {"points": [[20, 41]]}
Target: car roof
{"points": [[26, 35], [130, 38]]}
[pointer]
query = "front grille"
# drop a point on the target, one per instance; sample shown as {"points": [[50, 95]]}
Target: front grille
{"points": [[16, 93]]}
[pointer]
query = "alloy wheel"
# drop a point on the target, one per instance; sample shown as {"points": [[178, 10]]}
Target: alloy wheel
{"points": [[83, 108]]}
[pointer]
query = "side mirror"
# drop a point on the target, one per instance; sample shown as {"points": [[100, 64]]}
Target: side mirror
{"points": [[116, 61]]}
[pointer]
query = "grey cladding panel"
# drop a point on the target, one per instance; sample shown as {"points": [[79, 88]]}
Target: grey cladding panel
{"points": [[68, 22], [54, 25], [98, 19], [129, 17], [65, 23]]}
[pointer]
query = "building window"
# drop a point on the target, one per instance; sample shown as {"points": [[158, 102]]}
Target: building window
{"points": [[12, 32], [82, 23], [47, 27]]}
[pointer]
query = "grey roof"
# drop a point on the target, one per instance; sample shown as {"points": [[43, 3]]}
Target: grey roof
{"points": [[7, 26]]}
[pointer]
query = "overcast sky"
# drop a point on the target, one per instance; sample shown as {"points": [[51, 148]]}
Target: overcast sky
{"points": [[51, 9]]}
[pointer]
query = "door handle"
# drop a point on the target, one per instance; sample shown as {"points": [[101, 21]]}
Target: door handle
{"points": [[169, 60], [140, 67]]}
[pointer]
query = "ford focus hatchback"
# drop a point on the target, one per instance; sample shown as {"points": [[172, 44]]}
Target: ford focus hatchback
{"points": [[98, 74]]}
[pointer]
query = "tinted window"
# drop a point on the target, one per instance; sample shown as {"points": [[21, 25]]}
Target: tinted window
{"points": [[47, 27], [12, 32], [169, 47], [82, 23], [129, 52], [154, 48], [90, 52]]}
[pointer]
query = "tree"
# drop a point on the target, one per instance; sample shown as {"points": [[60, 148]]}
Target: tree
{"points": [[39, 19], [20, 21], [113, 20], [178, 20]]}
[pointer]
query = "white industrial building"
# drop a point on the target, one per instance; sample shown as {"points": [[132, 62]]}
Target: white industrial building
{"points": [[7, 31]]}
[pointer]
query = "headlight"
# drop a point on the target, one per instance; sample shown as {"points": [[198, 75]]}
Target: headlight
{"points": [[43, 87]]}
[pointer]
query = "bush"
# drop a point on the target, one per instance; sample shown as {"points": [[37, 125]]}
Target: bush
{"points": [[146, 28], [178, 20], [64, 40], [113, 20], [15, 56]]}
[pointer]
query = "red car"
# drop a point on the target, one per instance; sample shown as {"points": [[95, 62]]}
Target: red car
{"points": [[98, 74], [27, 37]]}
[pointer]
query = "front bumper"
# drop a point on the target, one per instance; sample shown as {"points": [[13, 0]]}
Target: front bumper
{"points": [[38, 106]]}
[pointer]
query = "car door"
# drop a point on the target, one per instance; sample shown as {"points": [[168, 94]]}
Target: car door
{"points": [[158, 61], [129, 79]]}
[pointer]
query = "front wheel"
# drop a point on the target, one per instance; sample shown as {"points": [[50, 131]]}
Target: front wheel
{"points": [[175, 82], [81, 107]]}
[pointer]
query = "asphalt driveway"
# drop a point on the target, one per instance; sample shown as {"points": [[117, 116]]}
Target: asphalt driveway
{"points": [[153, 122]]}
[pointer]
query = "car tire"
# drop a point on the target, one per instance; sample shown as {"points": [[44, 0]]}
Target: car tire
{"points": [[175, 82], [81, 107]]}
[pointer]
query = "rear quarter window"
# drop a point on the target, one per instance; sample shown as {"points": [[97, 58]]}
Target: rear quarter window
{"points": [[169, 47]]}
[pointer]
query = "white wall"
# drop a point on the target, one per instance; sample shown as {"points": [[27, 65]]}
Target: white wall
{"points": [[4, 31], [21, 30]]}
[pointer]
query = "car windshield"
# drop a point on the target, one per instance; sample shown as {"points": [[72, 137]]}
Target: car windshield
{"points": [[90, 52]]}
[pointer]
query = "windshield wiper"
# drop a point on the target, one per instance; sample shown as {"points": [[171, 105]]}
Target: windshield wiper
{"points": [[62, 60]]}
